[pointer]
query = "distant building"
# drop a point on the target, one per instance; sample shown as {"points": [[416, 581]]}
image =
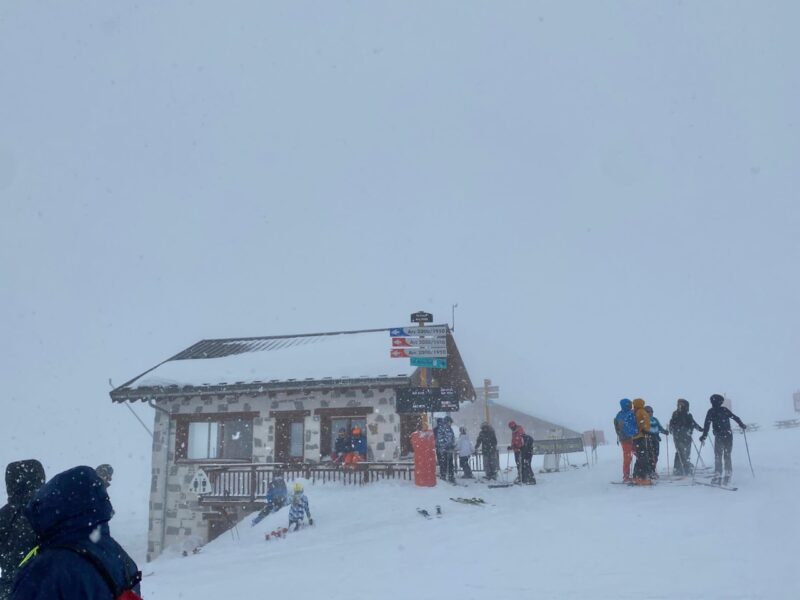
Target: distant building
{"points": [[472, 414], [587, 437]]}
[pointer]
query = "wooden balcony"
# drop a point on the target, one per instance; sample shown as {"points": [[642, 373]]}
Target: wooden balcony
{"points": [[247, 482]]}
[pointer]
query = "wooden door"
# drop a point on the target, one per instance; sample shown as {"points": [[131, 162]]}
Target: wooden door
{"points": [[409, 423]]}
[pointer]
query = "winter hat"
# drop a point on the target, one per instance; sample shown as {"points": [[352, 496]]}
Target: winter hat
{"points": [[625, 404], [683, 404], [70, 501], [512, 424], [448, 419], [649, 409], [356, 430], [23, 480], [717, 400]]}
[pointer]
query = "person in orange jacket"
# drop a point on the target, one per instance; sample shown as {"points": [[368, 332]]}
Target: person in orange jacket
{"points": [[641, 444]]}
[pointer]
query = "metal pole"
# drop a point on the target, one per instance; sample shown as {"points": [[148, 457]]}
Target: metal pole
{"points": [[695, 462], [666, 436], [748, 453]]}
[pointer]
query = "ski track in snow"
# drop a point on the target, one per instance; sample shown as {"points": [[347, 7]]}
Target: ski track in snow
{"points": [[572, 536]]}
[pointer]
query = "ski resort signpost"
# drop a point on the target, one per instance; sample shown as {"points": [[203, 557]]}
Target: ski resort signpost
{"points": [[562, 446], [425, 346], [422, 400]]}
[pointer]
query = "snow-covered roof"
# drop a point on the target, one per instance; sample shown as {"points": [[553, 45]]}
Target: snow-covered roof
{"points": [[268, 361]]}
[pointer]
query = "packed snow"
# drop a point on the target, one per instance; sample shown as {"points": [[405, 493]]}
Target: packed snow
{"points": [[574, 535]]}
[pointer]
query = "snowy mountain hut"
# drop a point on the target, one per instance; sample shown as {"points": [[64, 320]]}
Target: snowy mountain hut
{"points": [[229, 412]]}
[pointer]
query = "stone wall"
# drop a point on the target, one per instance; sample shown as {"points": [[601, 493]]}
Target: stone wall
{"points": [[169, 495]]}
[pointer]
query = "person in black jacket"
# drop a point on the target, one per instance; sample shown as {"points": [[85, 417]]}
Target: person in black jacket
{"points": [[720, 417], [681, 426], [17, 538], [487, 442], [77, 558]]}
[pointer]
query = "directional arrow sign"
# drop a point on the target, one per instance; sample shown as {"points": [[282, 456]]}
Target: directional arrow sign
{"points": [[410, 342], [432, 363], [434, 330], [418, 352]]}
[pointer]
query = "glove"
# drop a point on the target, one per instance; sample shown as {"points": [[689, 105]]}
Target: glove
{"points": [[510, 448], [744, 427], [310, 521], [702, 439]]}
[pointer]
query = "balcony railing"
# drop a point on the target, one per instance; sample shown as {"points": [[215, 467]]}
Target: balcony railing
{"points": [[248, 482]]}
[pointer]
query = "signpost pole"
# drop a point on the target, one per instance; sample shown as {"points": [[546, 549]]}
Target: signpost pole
{"points": [[486, 384]]}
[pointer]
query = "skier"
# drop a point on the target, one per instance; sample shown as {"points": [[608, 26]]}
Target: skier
{"points": [[522, 446], [276, 497], [681, 426], [720, 417], [465, 450], [341, 446], [487, 440], [17, 538], [77, 557], [625, 426], [641, 444], [655, 441], [298, 508], [445, 444], [106, 473]]}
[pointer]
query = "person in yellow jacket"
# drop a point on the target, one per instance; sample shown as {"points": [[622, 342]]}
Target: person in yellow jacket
{"points": [[641, 445]]}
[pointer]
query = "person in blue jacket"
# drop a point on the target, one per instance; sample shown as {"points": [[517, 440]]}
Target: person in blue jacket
{"points": [[625, 426], [445, 445], [275, 499], [77, 559], [655, 440]]}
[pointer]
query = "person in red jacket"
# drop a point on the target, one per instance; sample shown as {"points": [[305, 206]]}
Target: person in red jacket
{"points": [[522, 453]]}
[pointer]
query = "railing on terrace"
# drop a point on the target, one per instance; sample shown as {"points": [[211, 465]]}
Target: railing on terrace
{"points": [[247, 482]]}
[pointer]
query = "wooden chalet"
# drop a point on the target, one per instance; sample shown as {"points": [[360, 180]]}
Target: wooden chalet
{"points": [[228, 412]]}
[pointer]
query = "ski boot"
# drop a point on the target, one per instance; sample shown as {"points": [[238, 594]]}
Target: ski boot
{"points": [[716, 479]]}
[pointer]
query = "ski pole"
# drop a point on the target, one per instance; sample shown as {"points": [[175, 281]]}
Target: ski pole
{"points": [[694, 471], [666, 436], [748, 453], [698, 454]]}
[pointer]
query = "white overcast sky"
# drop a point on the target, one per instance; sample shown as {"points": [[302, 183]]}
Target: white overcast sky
{"points": [[609, 190]]}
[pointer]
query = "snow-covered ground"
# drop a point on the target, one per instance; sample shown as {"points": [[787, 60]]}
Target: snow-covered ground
{"points": [[572, 536]]}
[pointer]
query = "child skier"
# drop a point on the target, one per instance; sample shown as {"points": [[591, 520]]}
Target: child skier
{"points": [[298, 508], [625, 426], [655, 441], [681, 426], [276, 497], [720, 417], [465, 450]]}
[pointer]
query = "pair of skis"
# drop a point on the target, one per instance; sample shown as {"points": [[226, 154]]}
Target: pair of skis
{"points": [[470, 501]]}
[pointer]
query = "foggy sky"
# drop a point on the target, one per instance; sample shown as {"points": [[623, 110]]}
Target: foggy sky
{"points": [[608, 190]]}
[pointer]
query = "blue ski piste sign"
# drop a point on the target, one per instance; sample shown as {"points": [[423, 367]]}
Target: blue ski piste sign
{"points": [[421, 400], [433, 331]]}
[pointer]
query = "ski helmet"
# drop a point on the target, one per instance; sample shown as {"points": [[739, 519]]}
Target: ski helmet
{"points": [[356, 430], [298, 488], [683, 404], [649, 409], [717, 400], [512, 424]]}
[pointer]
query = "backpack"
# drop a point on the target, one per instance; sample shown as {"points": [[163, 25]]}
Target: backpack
{"points": [[527, 442], [120, 593]]}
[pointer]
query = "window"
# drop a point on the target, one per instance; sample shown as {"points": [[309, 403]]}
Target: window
{"points": [[334, 419], [227, 436], [203, 440], [346, 423]]}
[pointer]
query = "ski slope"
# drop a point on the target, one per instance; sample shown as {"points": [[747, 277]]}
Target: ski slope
{"points": [[572, 536]]}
